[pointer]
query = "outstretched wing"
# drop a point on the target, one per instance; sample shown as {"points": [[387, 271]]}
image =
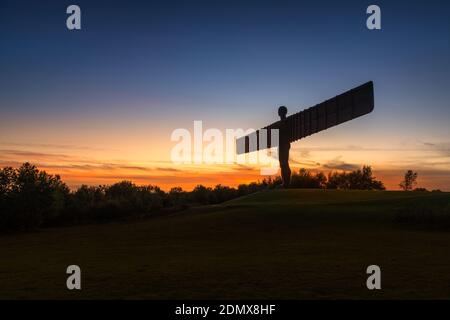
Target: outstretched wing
{"points": [[344, 107]]}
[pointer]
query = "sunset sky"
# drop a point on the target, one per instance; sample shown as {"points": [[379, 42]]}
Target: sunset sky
{"points": [[98, 105]]}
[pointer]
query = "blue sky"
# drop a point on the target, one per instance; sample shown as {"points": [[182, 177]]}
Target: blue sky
{"points": [[145, 68]]}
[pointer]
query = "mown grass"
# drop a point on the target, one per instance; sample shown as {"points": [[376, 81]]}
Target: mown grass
{"points": [[292, 244]]}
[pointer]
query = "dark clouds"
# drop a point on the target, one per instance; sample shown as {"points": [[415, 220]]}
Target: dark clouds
{"points": [[338, 164]]}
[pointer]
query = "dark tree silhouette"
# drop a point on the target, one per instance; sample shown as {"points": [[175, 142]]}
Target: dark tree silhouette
{"points": [[409, 181], [305, 179], [30, 198], [358, 180]]}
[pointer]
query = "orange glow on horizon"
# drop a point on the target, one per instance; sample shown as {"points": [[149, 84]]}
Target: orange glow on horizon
{"points": [[93, 165]]}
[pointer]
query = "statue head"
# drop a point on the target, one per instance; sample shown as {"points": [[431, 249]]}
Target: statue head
{"points": [[282, 111]]}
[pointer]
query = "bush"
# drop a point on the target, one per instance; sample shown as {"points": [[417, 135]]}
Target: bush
{"points": [[30, 198], [305, 179], [355, 180]]}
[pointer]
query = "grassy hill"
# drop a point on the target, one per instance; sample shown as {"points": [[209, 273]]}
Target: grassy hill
{"points": [[291, 244]]}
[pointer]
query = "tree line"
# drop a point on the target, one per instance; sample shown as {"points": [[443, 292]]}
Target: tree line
{"points": [[31, 198]]}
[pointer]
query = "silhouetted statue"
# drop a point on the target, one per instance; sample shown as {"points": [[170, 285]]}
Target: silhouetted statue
{"points": [[283, 147], [344, 107]]}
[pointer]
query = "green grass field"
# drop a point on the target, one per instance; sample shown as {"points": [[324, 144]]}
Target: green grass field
{"points": [[289, 244]]}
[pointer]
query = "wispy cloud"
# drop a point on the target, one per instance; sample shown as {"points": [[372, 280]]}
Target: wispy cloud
{"points": [[443, 147], [31, 154], [338, 164], [168, 169], [52, 146], [307, 163], [242, 167]]}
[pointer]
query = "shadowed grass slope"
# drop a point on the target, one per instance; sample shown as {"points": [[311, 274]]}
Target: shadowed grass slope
{"points": [[277, 244]]}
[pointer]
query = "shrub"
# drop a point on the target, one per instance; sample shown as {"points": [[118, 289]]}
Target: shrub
{"points": [[30, 198]]}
